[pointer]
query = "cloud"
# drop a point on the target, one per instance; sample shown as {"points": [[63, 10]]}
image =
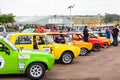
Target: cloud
{"points": [[59, 7]]}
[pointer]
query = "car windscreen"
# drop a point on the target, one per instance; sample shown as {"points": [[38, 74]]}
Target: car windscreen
{"points": [[67, 38], [1, 29], [56, 38], [92, 35], [8, 37], [11, 45]]}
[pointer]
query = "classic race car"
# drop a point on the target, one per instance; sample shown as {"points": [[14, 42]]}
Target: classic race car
{"points": [[107, 42], [97, 44], [62, 52], [19, 61], [64, 38]]}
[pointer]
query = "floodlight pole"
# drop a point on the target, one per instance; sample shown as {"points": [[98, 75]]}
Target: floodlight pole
{"points": [[0, 11], [99, 16], [70, 7]]}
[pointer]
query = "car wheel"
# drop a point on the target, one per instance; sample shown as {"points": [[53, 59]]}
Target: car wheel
{"points": [[36, 71], [105, 45], [83, 52], [66, 58], [96, 47]]}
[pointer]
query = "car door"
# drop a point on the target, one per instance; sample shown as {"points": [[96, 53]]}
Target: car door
{"points": [[44, 45], [8, 60]]}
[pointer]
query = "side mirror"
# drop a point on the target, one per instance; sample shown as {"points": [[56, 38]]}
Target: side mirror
{"points": [[7, 52]]}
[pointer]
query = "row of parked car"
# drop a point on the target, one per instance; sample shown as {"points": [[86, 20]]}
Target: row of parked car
{"points": [[34, 53]]}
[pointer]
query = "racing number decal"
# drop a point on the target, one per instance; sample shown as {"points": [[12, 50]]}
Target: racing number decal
{"points": [[1, 62]]}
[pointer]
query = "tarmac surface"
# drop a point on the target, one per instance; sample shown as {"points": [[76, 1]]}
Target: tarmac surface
{"points": [[102, 65]]}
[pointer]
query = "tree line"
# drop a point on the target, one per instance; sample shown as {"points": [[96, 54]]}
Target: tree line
{"points": [[108, 18], [7, 18]]}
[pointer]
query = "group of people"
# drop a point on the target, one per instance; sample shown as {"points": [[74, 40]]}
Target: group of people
{"points": [[41, 29], [114, 32]]}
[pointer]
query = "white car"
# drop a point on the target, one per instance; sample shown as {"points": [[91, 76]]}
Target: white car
{"points": [[28, 30]]}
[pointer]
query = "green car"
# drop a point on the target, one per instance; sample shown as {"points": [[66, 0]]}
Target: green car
{"points": [[17, 61]]}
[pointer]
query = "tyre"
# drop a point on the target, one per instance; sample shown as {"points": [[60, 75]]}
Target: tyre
{"points": [[66, 58], [105, 45], [83, 52], [36, 71], [96, 47]]}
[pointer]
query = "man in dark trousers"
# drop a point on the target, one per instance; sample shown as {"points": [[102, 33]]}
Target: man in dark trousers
{"points": [[85, 34], [115, 32]]}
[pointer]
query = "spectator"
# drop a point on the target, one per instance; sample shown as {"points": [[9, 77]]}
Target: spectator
{"points": [[85, 34], [52, 29], [42, 30], [47, 27], [115, 32], [107, 32], [38, 29]]}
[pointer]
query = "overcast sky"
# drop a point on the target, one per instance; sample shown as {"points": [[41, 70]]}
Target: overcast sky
{"points": [[59, 7]]}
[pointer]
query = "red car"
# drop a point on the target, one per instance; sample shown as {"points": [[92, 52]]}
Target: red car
{"points": [[77, 36]]}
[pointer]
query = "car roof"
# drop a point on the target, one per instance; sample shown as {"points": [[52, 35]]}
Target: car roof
{"points": [[73, 32], [53, 33], [98, 32], [27, 34]]}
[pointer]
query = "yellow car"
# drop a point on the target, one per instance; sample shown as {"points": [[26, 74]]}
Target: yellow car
{"points": [[65, 38], [62, 52], [107, 42]]}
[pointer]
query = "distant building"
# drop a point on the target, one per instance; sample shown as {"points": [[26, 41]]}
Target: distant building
{"points": [[43, 20]]}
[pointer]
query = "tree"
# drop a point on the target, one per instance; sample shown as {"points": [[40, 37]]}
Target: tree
{"points": [[111, 17], [108, 18], [7, 18]]}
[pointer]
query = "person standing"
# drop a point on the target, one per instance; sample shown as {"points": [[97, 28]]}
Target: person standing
{"points": [[42, 30], [52, 29], [85, 34], [115, 32], [107, 32], [38, 29]]}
